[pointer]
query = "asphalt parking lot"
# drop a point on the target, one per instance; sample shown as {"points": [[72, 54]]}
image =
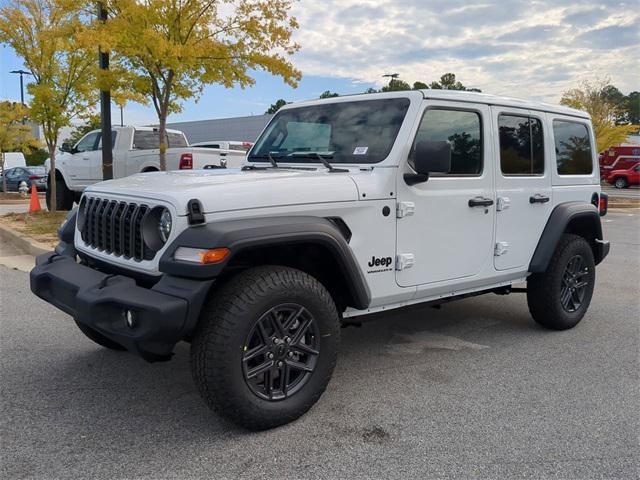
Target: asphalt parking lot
{"points": [[474, 390]]}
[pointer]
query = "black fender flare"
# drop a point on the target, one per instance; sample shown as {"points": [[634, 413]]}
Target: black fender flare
{"points": [[559, 223], [238, 235]]}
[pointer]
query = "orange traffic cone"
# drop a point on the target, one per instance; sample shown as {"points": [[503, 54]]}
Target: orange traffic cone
{"points": [[34, 203]]}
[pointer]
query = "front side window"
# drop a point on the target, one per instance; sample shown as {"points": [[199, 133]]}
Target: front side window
{"points": [[573, 148], [88, 143], [344, 132], [463, 131], [521, 145]]}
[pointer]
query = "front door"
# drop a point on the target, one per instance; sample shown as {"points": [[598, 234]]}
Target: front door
{"points": [[446, 223], [81, 166], [523, 185]]}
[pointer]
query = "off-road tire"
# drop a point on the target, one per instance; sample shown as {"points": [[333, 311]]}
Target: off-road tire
{"points": [[98, 338], [218, 344], [64, 196], [620, 182], [544, 289]]}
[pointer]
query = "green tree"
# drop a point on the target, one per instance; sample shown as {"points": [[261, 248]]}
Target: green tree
{"points": [[420, 86], [328, 94], [92, 122], [632, 107], [396, 85], [448, 82], [276, 106], [171, 49], [43, 34]]}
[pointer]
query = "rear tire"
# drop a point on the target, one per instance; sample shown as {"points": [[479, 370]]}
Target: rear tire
{"points": [[559, 297], [620, 182], [98, 338], [279, 322], [64, 196]]}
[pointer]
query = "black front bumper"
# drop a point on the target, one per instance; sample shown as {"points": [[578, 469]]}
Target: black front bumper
{"points": [[163, 314]]}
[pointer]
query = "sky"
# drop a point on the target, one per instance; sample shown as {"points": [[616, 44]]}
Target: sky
{"points": [[533, 49]]}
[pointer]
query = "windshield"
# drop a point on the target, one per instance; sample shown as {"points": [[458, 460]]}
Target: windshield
{"points": [[346, 132]]}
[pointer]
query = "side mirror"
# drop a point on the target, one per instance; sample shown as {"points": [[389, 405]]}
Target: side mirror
{"points": [[429, 157], [66, 147]]}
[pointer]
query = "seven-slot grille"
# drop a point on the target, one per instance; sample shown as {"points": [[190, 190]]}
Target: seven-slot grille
{"points": [[115, 227]]}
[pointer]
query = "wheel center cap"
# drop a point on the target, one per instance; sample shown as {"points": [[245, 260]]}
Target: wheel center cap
{"points": [[281, 351]]}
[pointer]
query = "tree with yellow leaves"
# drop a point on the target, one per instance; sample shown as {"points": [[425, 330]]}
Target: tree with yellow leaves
{"points": [[42, 33], [592, 97], [15, 134], [168, 50]]}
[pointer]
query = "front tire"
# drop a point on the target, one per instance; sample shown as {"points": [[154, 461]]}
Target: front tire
{"points": [[620, 182], [559, 297], [266, 346]]}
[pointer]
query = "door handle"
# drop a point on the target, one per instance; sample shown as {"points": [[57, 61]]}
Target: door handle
{"points": [[85, 158], [480, 202], [537, 198]]}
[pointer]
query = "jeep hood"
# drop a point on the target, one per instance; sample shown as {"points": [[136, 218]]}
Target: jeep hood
{"points": [[222, 190]]}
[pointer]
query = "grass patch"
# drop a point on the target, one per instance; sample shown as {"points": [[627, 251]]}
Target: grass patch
{"points": [[11, 196], [42, 226]]}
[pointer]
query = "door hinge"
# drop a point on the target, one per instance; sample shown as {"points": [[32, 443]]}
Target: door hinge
{"points": [[404, 261], [503, 203], [500, 249], [404, 209]]}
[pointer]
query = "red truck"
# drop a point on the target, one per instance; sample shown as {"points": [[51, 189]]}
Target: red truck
{"points": [[620, 157]]}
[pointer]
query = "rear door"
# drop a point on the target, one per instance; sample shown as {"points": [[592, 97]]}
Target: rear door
{"points": [[523, 184]]}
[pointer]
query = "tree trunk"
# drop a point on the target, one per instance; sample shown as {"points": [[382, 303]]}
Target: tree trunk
{"points": [[52, 176], [162, 131]]}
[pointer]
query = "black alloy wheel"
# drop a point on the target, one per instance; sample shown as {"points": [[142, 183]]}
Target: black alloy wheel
{"points": [[281, 352], [574, 283]]}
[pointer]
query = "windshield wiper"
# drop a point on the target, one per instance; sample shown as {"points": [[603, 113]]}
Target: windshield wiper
{"points": [[269, 157], [322, 158]]}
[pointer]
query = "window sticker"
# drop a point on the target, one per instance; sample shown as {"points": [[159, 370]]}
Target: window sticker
{"points": [[361, 150]]}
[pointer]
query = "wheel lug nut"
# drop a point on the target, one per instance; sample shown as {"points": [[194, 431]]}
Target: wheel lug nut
{"points": [[290, 354], [270, 355], [287, 339], [279, 364]]}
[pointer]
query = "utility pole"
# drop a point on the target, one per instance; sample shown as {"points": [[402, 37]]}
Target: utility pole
{"points": [[105, 109]]}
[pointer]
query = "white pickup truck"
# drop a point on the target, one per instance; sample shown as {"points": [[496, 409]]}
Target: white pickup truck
{"points": [[135, 150]]}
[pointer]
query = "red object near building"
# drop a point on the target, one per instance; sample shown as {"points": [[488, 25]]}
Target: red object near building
{"points": [[624, 178], [621, 157]]}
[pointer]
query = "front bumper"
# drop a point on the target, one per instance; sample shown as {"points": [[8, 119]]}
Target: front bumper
{"points": [[163, 314]]}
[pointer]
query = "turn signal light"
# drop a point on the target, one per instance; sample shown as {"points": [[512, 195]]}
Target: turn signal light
{"points": [[214, 256], [201, 255]]}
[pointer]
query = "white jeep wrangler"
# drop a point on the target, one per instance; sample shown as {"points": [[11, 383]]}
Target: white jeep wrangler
{"points": [[345, 207]]}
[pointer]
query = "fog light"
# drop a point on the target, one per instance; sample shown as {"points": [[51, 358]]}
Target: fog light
{"points": [[130, 319]]}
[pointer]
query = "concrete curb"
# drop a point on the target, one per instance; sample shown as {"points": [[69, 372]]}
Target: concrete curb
{"points": [[25, 244]]}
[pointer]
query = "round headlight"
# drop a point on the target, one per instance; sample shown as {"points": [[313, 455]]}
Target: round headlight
{"points": [[164, 225]]}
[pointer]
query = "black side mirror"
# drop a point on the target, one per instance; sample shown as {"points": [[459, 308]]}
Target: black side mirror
{"points": [[66, 147], [429, 157]]}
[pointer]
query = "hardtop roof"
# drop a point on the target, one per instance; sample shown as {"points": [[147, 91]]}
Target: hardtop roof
{"points": [[454, 96]]}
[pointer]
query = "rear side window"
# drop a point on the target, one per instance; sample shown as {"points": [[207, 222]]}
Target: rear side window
{"points": [[150, 140], [573, 148], [521, 145], [463, 131]]}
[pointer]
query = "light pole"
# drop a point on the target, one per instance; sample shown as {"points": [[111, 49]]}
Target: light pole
{"points": [[105, 108], [21, 73]]}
